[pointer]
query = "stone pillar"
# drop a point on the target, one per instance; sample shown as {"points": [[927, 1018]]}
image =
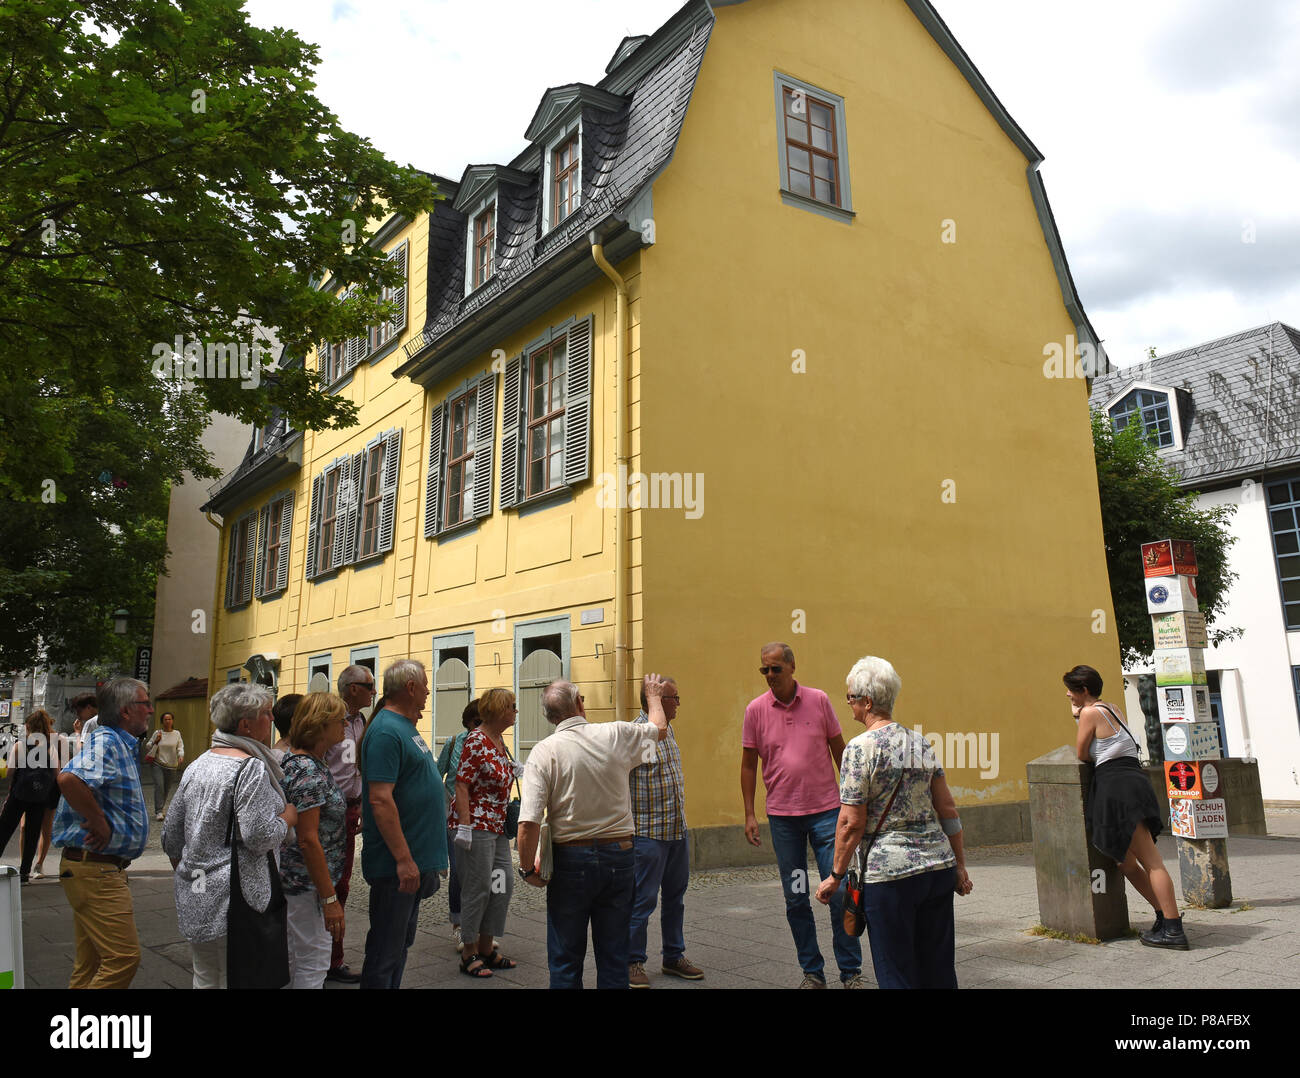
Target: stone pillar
{"points": [[1080, 890], [1203, 865]]}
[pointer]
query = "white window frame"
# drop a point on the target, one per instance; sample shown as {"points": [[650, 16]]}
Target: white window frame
{"points": [[489, 199], [844, 211], [233, 676], [1171, 398], [562, 136], [442, 643], [315, 660]]}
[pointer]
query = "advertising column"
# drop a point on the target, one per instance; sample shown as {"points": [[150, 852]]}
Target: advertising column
{"points": [[1198, 814]]}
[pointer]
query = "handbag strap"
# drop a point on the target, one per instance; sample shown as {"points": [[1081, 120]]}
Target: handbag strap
{"points": [[1111, 712], [232, 825], [864, 850], [518, 788]]}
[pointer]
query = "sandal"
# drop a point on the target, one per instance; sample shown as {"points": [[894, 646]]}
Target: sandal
{"points": [[468, 961], [496, 960]]}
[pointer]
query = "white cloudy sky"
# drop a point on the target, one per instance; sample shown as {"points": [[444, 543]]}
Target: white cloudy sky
{"points": [[1169, 127]]}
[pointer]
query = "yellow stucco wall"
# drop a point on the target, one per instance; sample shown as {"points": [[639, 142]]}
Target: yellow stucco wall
{"points": [[923, 364]]}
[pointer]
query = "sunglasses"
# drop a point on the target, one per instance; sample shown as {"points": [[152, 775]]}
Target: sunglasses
{"points": [[764, 670], [849, 697]]}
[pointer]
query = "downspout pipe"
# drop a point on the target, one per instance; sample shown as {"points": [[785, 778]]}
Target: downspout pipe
{"points": [[216, 598], [621, 365]]}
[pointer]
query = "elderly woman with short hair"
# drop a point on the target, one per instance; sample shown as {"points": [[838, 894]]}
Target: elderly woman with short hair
{"points": [[891, 781], [312, 862], [237, 774]]}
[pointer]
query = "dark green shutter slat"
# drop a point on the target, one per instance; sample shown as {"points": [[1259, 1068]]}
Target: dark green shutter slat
{"points": [[433, 481], [485, 420], [512, 433], [388, 489], [577, 405]]}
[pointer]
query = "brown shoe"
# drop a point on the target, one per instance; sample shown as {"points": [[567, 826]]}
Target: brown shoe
{"points": [[681, 967], [636, 976]]}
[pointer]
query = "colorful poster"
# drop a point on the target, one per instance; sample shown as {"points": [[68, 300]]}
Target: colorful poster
{"points": [[1181, 629], [1198, 819], [1184, 703], [1182, 779], [1169, 557]]}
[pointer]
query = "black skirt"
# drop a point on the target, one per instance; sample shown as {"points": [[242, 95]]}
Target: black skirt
{"points": [[1119, 799]]}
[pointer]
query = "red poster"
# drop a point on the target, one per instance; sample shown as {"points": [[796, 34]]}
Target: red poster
{"points": [[1184, 557], [1158, 558]]}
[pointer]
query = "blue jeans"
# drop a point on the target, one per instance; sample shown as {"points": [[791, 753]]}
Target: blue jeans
{"points": [[393, 917], [590, 885], [911, 928], [790, 838], [659, 864]]}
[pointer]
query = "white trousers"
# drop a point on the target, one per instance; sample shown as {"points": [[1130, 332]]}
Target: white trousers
{"points": [[209, 964], [309, 941]]}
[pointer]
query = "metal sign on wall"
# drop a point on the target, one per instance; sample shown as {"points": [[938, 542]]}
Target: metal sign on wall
{"points": [[143, 661]]}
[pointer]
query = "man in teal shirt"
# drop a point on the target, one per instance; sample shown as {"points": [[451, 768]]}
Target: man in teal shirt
{"points": [[403, 821]]}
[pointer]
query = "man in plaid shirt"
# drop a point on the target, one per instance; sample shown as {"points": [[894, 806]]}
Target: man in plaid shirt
{"points": [[663, 856]]}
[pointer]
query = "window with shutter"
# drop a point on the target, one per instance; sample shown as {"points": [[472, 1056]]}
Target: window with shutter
{"points": [[273, 545], [330, 525], [372, 478], [239, 578], [349, 512], [544, 451], [484, 437], [315, 514], [512, 433], [433, 480], [462, 433], [388, 489], [286, 542], [577, 417], [263, 538]]}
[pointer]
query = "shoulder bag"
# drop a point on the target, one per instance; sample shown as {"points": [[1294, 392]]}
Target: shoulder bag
{"points": [[855, 913], [512, 809], [257, 944]]}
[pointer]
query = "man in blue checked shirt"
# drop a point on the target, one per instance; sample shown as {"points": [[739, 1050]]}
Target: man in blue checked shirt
{"points": [[663, 854], [103, 825]]}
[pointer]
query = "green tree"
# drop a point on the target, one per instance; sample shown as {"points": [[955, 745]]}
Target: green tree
{"points": [[165, 171], [1141, 502]]}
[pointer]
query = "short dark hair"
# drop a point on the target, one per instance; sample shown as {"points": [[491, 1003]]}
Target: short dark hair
{"points": [[469, 718], [1083, 679], [282, 713], [86, 699]]}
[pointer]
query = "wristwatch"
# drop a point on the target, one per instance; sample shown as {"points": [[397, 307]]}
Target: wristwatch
{"points": [[838, 875], [327, 901], [524, 875]]}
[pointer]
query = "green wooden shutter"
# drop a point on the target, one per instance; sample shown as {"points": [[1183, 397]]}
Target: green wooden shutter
{"points": [[313, 523], [398, 321], [577, 405], [513, 423], [433, 481], [485, 433], [263, 537], [286, 543], [388, 489]]}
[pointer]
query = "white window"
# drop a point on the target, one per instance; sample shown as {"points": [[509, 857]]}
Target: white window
{"points": [[562, 174], [480, 242]]}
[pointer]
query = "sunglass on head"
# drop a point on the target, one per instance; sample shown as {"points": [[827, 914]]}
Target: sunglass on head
{"points": [[764, 670]]}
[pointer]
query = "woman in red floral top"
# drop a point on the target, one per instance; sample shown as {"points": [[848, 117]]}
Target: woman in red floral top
{"points": [[482, 848]]}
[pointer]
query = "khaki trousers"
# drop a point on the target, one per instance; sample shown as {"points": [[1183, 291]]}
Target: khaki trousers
{"points": [[108, 949]]}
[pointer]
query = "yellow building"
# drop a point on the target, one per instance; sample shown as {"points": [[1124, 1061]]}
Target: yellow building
{"points": [[646, 410]]}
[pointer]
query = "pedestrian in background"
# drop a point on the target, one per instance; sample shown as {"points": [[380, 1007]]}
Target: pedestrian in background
{"points": [[165, 752], [448, 763]]}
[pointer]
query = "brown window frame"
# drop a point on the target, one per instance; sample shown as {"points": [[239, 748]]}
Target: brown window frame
{"points": [[371, 503], [274, 542], [335, 361], [328, 522], [812, 151], [574, 199], [549, 482], [484, 245], [466, 492]]}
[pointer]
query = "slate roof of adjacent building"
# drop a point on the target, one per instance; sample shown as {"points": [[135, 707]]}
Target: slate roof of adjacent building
{"points": [[1238, 401]]}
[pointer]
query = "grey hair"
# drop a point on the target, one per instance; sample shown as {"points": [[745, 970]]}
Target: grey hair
{"points": [[399, 674], [560, 701], [233, 703], [787, 654], [351, 675], [877, 679], [114, 696], [645, 704]]}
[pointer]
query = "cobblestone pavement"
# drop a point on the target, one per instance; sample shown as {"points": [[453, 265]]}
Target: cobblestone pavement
{"points": [[736, 930]]}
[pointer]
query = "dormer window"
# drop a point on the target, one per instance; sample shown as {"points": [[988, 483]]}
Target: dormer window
{"points": [[567, 182], [484, 242], [1150, 408]]}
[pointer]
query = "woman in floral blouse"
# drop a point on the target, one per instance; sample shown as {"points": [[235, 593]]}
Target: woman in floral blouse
{"points": [[889, 778], [312, 862], [483, 781]]}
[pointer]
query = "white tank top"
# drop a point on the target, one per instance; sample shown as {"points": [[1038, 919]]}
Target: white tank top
{"points": [[1118, 745]]}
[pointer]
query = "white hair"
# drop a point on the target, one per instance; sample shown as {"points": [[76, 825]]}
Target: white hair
{"points": [[116, 695], [351, 675], [876, 679], [402, 672], [560, 701], [234, 703]]}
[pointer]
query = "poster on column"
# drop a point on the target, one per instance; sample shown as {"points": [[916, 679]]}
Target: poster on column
{"points": [[1171, 593], [1191, 740], [1198, 819], [1180, 666], [1184, 703], [1181, 629]]}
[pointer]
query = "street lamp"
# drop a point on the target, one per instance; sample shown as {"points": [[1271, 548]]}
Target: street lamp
{"points": [[119, 621]]}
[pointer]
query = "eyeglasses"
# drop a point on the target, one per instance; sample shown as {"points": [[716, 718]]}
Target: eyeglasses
{"points": [[674, 697], [765, 670], [369, 686], [849, 697]]}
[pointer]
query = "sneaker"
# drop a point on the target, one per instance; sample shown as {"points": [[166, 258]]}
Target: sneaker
{"points": [[157, 815], [37, 874], [812, 981], [1170, 936], [854, 980], [681, 967], [636, 976], [343, 975]]}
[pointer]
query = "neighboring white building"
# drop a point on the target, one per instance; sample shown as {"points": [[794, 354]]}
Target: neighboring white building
{"points": [[1226, 415]]}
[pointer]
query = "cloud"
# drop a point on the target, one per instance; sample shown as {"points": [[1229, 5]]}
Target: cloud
{"points": [[1211, 46]]}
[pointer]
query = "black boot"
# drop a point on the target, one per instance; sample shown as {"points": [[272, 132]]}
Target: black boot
{"points": [[1170, 936], [1160, 922]]}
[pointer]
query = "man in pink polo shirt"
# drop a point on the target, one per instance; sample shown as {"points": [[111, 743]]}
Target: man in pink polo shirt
{"points": [[793, 730]]}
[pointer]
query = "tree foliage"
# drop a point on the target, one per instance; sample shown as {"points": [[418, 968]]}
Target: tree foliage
{"points": [[1141, 502], [165, 171]]}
